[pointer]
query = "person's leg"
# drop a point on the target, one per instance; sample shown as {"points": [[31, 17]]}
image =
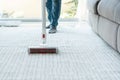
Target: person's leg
{"points": [[56, 8], [49, 9]]}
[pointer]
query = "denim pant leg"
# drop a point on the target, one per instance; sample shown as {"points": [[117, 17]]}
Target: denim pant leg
{"points": [[56, 8], [49, 9]]}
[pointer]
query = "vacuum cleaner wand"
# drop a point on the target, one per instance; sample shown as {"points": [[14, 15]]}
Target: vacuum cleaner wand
{"points": [[43, 49], [43, 21]]}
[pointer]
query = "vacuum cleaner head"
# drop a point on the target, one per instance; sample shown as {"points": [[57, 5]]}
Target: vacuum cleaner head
{"points": [[44, 50]]}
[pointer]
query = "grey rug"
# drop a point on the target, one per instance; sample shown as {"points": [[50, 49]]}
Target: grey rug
{"points": [[82, 54]]}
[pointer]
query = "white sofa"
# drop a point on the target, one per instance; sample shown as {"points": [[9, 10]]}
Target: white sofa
{"points": [[104, 18]]}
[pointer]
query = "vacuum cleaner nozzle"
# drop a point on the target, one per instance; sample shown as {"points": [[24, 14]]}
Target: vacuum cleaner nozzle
{"points": [[43, 50]]}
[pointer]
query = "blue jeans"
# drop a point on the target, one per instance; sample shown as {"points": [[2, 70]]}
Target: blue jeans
{"points": [[53, 9]]}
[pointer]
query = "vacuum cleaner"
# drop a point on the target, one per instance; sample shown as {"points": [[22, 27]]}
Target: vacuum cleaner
{"points": [[43, 49]]}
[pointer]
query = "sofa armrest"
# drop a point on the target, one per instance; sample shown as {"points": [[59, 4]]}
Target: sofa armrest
{"points": [[110, 10], [92, 5]]}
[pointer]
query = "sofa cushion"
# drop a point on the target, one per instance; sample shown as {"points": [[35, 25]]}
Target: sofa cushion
{"points": [[110, 9], [92, 5], [108, 31]]}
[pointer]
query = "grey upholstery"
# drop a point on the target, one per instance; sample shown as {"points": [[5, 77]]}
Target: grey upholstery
{"points": [[93, 21], [107, 30], [110, 9], [106, 23], [92, 5], [118, 39], [117, 13]]}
